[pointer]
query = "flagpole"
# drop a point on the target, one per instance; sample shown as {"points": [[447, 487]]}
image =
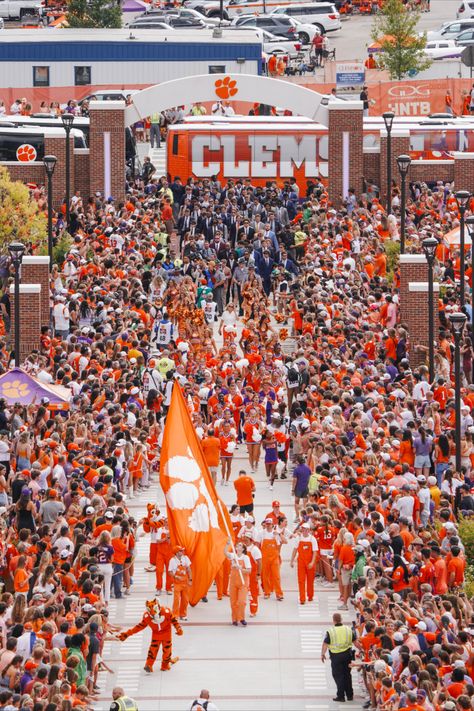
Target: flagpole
{"points": [[230, 537]]}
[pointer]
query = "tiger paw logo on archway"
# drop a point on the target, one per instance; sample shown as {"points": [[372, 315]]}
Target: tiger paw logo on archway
{"points": [[226, 87], [25, 153]]}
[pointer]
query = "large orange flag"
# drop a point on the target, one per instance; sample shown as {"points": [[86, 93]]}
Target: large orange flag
{"points": [[195, 518]]}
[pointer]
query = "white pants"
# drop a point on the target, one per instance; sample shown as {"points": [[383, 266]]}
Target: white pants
{"points": [[106, 571]]}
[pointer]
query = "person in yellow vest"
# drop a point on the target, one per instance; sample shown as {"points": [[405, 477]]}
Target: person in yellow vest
{"points": [[339, 640], [121, 702], [155, 129]]}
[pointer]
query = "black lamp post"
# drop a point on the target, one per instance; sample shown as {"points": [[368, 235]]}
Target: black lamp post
{"points": [[457, 322], [429, 248], [49, 163], [388, 117], [403, 163], [462, 199], [17, 250], [469, 222], [68, 120]]}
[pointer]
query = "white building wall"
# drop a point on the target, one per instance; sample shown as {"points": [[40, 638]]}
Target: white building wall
{"points": [[126, 74]]}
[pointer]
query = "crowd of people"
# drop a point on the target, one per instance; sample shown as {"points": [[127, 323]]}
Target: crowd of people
{"points": [[278, 314]]}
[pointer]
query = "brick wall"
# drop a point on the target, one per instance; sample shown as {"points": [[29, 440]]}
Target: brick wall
{"points": [[432, 170], [81, 173], [400, 145], [107, 123], [26, 173], [414, 303], [56, 146], [371, 163], [464, 171], [35, 270], [30, 311], [345, 119]]}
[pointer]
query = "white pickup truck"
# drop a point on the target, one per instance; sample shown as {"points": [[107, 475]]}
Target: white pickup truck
{"points": [[14, 9]]}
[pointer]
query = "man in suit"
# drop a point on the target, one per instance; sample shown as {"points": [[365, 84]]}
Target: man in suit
{"points": [[184, 222], [288, 264], [246, 232], [264, 268]]}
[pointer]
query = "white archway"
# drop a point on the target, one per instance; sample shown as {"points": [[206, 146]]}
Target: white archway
{"points": [[240, 87]]}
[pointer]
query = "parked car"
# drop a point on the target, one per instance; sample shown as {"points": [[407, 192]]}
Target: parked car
{"points": [[271, 43], [187, 13], [109, 95], [233, 8], [17, 9], [321, 14], [442, 49], [450, 30], [304, 32], [465, 38], [466, 9], [173, 21]]}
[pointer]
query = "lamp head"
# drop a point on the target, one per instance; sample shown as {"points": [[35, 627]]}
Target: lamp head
{"points": [[388, 117], [457, 322], [68, 120], [16, 251], [429, 247], [403, 163], [49, 163], [462, 198]]}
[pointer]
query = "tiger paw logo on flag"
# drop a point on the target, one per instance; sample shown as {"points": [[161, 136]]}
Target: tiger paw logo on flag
{"points": [[197, 519], [226, 87]]}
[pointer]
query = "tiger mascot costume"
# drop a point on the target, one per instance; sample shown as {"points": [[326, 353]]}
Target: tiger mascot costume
{"points": [[159, 619], [152, 523]]}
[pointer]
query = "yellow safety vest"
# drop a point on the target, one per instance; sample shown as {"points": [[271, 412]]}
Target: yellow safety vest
{"points": [[340, 639], [155, 118], [126, 704]]}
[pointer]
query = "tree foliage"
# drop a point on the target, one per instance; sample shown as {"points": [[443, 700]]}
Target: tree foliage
{"points": [[402, 49], [20, 217], [94, 13]]}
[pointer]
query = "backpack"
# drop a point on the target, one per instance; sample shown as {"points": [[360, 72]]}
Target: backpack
{"points": [[293, 375], [197, 703]]}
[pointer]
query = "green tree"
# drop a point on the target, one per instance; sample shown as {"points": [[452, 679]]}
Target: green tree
{"points": [[20, 216], [402, 47], [94, 13]]}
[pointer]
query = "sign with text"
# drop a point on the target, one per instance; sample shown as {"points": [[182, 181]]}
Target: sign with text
{"points": [[350, 77]]}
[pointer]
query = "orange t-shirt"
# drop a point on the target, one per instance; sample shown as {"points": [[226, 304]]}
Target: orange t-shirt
{"points": [[20, 582], [211, 447], [244, 486]]}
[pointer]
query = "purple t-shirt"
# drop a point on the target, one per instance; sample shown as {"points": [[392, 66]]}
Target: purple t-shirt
{"points": [[422, 448], [301, 473]]}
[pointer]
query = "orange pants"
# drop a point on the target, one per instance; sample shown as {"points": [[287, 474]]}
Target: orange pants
{"points": [[222, 579], [162, 559], [238, 594], [180, 599], [152, 556], [254, 591], [305, 582], [271, 573]]}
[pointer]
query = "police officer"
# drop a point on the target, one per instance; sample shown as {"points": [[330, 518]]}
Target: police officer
{"points": [[121, 702], [339, 640]]}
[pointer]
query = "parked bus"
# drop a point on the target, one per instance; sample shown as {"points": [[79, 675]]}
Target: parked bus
{"points": [[80, 122], [24, 145], [280, 148]]}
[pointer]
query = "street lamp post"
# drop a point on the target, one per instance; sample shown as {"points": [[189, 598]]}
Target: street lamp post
{"points": [[388, 117], [17, 250], [462, 199], [403, 163], [49, 163], [68, 120], [429, 248], [457, 322]]}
